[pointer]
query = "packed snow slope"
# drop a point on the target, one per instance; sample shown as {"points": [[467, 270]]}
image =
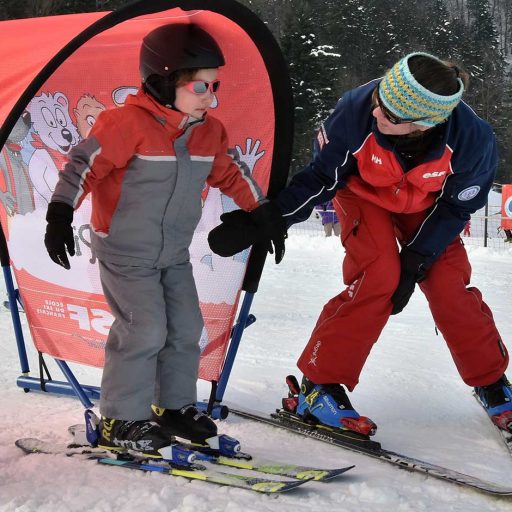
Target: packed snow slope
{"points": [[409, 387]]}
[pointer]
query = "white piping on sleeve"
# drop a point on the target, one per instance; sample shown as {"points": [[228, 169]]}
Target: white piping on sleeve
{"points": [[83, 176], [321, 190], [422, 224], [364, 142], [256, 192], [156, 158], [196, 158]]}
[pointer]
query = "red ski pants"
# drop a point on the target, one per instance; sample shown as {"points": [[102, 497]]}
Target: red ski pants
{"points": [[351, 322]]}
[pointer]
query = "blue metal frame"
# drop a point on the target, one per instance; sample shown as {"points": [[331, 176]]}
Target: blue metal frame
{"points": [[87, 393], [60, 387], [245, 319], [13, 296]]}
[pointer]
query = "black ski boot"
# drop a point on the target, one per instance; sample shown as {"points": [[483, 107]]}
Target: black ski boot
{"points": [[187, 422], [144, 438]]}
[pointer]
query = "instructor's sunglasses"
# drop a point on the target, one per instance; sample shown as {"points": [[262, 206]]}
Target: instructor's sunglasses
{"points": [[391, 117], [202, 86]]}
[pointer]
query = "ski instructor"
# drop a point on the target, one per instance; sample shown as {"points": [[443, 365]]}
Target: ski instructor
{"points": [[403, 159]]}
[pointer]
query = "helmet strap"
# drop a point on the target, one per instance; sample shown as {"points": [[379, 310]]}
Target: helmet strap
{"points": [[162, 89]]}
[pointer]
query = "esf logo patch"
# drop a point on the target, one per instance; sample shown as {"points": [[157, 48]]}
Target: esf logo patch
{"points": [[507, 207], [468, 193], [435, 174]]}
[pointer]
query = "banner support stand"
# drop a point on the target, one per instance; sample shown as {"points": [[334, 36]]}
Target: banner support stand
{"points": [[57, 387], [244, 320], [77, 388], [12, 295]]}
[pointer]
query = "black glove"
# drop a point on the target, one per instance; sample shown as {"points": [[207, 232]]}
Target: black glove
{"points": [[240, 229], [414, 268], [237, 232], [59, 233], [269, 219]]}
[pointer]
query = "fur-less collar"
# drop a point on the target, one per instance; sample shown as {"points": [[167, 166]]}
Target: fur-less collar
{"points": [[173, 120]]}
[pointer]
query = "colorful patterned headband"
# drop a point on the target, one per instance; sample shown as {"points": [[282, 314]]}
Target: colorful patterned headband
{"points": [[405, 97]]}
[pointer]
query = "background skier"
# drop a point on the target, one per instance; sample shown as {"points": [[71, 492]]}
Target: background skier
{"points": [[329, 218]]}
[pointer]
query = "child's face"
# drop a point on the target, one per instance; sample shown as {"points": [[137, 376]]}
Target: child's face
{"points": [[191, 103]]}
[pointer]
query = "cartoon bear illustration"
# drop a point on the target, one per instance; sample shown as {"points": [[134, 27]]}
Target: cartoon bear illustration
{"points": [[87, 110], [17, 197], [120, 94], [55, 135]]}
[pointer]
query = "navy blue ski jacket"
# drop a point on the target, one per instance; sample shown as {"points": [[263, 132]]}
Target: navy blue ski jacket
{"points": [[452, 182]]}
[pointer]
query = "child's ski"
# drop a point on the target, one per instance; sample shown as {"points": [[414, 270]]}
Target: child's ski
{"points": [[191, 471], [240, 460]]}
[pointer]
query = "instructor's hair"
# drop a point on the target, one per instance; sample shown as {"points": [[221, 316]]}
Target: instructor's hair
{"points": [[438, 76]]}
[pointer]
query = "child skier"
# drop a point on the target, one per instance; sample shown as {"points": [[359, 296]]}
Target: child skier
{"points": [[145, 165]]}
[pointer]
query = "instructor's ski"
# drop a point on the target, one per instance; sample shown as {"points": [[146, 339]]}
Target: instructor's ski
{"points": [[365, 446]]}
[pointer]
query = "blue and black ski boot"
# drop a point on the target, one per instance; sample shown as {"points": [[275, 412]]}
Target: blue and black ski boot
{"points": [[497, 401], [327, 404]]}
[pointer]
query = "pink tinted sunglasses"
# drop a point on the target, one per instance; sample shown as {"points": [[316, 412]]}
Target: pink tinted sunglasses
{"points": [[202, 86]]}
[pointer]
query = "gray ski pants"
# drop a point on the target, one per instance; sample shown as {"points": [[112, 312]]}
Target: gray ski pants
{"points": [[152, 352]]}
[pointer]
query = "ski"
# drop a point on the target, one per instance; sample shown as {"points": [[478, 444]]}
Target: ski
{"points": [[271, 467], [191, 471], [506, 437], [240, 460], [365, 446]]}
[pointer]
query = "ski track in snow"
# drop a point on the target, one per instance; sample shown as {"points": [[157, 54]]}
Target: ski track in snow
{"points": [[409, 387]]}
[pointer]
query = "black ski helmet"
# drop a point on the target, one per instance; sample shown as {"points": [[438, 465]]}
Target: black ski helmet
{"points": [[173, 47]]}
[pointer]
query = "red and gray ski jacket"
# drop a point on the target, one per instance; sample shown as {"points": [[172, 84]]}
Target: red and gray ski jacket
{"points": [[145, 167]]}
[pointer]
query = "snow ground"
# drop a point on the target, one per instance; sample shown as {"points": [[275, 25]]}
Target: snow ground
{"points": [[409, 387]]}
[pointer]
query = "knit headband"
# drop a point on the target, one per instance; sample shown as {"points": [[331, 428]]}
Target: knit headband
{"points": [[406, 98]]}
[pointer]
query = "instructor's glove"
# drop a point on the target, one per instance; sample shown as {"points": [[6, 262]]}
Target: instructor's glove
{"points": [[59, 233], [240, 229], [269, 219], [414, 268]]}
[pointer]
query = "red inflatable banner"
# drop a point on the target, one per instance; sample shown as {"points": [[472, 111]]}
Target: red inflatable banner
{"points": [[67, 313]]}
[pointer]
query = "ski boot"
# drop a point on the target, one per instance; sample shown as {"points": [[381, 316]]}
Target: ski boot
{"points": [[326, 404], [192, 424], [187, 423], [144, 438], [497, 401]]}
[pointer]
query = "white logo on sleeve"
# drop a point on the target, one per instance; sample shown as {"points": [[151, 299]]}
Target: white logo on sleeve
{"points": [[376, 159], [468, 193], [322, 137]]}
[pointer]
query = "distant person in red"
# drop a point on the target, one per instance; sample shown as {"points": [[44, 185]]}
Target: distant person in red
{"points": [[467, 228]]}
